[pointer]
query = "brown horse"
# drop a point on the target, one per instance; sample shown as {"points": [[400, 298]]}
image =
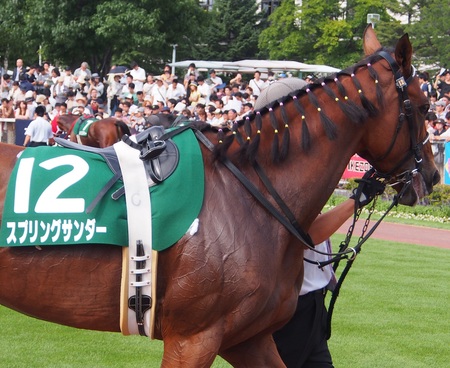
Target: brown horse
{"points": [[226, 289], [102, 133]]}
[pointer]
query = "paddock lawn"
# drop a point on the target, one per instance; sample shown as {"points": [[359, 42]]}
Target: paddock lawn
{"points": [[393, 311]]}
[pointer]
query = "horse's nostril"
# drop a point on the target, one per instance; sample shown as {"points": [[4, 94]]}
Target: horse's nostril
{"points": [[436, 178]]}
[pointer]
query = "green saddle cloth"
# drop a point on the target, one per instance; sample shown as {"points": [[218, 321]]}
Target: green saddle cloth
{"points": [[81, 126], [51, 187]]}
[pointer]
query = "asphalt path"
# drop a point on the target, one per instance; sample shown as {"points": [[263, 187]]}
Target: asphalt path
{"points": [[401, 233]]}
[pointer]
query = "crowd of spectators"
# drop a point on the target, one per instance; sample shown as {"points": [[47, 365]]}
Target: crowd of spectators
{"points": [[438, 92], [134, 96], [130, 94]]}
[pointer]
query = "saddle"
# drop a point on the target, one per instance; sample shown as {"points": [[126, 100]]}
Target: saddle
{"points": [[160, 158]]}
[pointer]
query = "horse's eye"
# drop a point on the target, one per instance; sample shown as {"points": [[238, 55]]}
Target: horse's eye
{"points": [[424, 109]]}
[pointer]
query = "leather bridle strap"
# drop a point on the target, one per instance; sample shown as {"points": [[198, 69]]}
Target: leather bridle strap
{"points": [[300, 235], [401, 85]]}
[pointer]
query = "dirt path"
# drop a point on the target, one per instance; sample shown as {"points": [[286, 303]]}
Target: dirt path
{"points": [[405, 234]]}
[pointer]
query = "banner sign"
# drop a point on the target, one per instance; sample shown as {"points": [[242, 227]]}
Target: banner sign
{"points": [[356, 168], [447, 163]]}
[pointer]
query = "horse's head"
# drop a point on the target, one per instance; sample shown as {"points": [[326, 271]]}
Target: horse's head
{"points": [[396, 142]]}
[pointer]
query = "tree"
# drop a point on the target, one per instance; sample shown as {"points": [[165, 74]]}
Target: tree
{"points": [[431, 35], [233, 31], [105, 32], [320, 32]]}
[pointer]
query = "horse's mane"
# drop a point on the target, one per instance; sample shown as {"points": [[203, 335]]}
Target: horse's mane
{"points": [[355, 113]]}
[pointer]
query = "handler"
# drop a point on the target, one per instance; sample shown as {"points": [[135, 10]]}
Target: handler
{"points": [[39, 132], [302, 342]]}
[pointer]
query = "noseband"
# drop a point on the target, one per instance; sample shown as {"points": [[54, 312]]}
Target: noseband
{"points": [[405, 112]]}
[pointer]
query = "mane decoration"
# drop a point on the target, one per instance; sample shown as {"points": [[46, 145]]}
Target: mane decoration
{"points": [[355, 113]]}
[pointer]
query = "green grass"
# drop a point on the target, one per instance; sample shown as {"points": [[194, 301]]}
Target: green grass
{"points": [[392, 312]]}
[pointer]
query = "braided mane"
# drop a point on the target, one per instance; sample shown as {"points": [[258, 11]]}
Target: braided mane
{"points": [[355, 113]]}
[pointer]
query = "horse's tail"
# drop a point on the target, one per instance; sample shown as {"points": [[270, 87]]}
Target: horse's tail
{"points": [[122, 128]]}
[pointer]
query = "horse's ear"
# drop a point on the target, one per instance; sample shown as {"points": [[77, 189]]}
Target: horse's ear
{"points": [[370, 41], [403, 54]]}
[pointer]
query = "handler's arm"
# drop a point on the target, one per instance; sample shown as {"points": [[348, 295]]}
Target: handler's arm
{"points": [[329, 222]]}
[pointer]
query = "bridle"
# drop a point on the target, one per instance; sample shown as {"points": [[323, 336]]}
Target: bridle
{"points": [[406, 112]]}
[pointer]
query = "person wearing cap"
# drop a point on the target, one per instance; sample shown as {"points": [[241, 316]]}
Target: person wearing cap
{"points": [[218, 119], [60, 90], [159, 92], [439, 125], [137, 121], [139, 76], [194, 95], [96, 84], [81, 105], [440, 109], [39, 131], [113, 92]]}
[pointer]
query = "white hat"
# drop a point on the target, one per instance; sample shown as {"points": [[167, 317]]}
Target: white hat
{"points": [[133, 109], [29, 94], [179, 107]]}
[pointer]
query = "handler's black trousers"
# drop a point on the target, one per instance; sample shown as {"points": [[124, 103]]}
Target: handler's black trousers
{"points": [[302, 342]]}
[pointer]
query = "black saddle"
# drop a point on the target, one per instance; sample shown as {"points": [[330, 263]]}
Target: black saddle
{"points": [[160, 157]]}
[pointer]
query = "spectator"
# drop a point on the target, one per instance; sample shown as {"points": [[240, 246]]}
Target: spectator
{"points": [[237, 79], [203, 88], [425, 86], [215, 80], [167, 75], [175, 90], [257, 83], [97, 85], [139, 76], [440, 109], [81, 74], [18, 70], [60, 90], [194, 95], [440, 125], [148, 86], [69, 80], [113, 93], [6, 86], [159, 91], [22, 112], [190, 76], [309, 79], [442, 82]]}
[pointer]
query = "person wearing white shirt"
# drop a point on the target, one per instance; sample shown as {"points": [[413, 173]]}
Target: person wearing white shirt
{"points": [[302, 342], [214, 78], [203, 88], [139, 76], [175, 90], [159, 91], [257, 84]]}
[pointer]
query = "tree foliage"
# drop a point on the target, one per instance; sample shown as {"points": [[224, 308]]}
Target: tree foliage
{"points": [[232, 31], [106, 32]]}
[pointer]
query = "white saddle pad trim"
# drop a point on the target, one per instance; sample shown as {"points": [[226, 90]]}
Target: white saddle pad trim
{"points": [[138, 205]]}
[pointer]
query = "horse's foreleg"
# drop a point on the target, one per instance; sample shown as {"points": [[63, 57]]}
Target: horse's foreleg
{"points": [[196, 351], [259, 351]]}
